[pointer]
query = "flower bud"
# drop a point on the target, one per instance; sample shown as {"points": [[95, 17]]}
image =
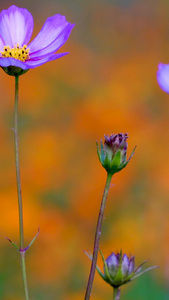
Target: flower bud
{"points": [[112, 154], [120, 269]]}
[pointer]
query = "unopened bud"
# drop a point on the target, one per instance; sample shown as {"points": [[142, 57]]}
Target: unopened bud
{"points": [[112, 154]]}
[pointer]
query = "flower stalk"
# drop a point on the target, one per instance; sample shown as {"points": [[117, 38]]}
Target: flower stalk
{"points": [[116, 293], [97, 237], [112, 155], [21, 250]]}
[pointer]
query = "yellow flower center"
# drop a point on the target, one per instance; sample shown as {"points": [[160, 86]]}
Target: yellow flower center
{"points": [[21, 53]]}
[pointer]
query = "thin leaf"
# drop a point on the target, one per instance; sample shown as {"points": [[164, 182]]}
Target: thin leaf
{"points": [[132, 154], [148, 269], [12, 243], [136, 270], [34, 237], [107, 275], [89, 255], [103, 154], [98, 151]]}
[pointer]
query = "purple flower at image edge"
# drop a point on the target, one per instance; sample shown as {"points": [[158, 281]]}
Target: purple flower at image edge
{"points": [[16, 27], [163, 77]]}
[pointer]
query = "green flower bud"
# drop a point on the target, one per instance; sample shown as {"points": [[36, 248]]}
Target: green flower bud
{"points": [[112, 154]]}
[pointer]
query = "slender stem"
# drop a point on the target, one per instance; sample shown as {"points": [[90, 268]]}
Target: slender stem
{"points": [[97, 237], [116, 293], [22, 253]]}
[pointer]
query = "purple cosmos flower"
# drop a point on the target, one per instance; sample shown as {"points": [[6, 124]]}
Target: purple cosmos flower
{"points": [[120, 269], [16, 27], [112, 153], [163, 77]]}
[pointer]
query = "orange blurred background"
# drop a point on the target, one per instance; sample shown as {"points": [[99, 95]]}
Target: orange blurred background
{"points": [[107, 84]]}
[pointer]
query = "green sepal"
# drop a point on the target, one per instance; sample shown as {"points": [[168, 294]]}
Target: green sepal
{"points": [[134, 274], [132, 153], [106, 164], [114, 166], [146, 270], [138, 267], [123, 165], [14, 71], [100, 273], [107, 277], [119, 275], [89, 255], [98, 152], [102, 152], [116, 160]]}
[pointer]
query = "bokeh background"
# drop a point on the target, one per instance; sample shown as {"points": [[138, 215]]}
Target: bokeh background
{"points": [[107, 84]]}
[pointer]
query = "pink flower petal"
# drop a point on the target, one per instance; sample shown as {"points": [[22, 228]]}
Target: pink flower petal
{"points": [[52, 36], [125, 265], [2, 44], [163, 77], [29, 64], [16, 26], [33, 63], [6, 62]]}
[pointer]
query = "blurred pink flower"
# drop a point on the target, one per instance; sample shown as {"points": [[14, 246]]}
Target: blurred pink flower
{"points": [[163, 77]]}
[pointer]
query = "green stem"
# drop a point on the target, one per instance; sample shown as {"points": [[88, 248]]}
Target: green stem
{"points": [[116, 293], [22, 253], [97, 237]]}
